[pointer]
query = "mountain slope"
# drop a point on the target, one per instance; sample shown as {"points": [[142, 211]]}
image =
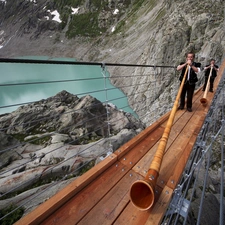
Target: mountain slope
{"points": [[125, 31]]}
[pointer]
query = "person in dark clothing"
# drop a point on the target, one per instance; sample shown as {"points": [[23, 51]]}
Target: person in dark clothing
{"points": [[191, 79], [207, 70]]}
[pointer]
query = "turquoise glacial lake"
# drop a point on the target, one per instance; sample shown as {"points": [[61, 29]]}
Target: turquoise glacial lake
{"points": [[18, 83]]}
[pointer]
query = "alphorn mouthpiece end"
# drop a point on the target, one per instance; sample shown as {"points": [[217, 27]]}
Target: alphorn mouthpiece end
{"points": [[203, 101], [142, 195], [142, 192]]}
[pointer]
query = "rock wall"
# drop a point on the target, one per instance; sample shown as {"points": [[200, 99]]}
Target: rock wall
{"points": [[133, 32], [56, 138]]}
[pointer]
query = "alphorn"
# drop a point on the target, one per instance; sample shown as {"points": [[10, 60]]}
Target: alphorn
{"points": [[203, 100], [142, 192]]}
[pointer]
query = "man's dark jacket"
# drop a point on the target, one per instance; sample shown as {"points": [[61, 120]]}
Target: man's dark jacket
{"points": [[193, 76], [214, 72]]}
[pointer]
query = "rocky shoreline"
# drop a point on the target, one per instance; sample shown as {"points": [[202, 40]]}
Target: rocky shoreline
{"points": [[58, 138]]}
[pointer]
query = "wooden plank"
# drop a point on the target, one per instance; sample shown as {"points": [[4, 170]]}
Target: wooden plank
{"points": [[77, 207], [172, 182], [132, 216], [50, 206], [159, 208], [108, 209], [143, 165], [176, 150], [138, 151], [197, 122], [183, 144]]}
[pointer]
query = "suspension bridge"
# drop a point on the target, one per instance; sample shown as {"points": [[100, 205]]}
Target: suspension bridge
{"points": [[101, 195]]}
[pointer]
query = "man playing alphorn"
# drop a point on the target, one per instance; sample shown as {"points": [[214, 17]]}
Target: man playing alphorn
{"points": [[191, 79], [207, 68]]}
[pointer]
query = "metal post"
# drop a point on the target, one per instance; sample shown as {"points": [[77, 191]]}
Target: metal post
{"points": [[104, 74]]}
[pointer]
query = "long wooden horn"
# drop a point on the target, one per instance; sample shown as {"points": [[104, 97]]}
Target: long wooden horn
{"points": [[203, 100], [142, 192]]}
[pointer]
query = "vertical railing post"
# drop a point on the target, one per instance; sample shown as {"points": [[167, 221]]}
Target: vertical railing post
{"points": [[155, 112], [104, 74]]}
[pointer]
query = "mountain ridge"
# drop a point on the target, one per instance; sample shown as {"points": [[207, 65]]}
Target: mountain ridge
{"points": [[145, 32]]}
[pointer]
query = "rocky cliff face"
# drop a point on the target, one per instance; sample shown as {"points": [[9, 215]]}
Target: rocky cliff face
{"points": [[153, 31], [56, 138], [137, 32]]}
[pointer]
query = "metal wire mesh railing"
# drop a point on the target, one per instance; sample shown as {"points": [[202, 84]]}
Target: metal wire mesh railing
{"points": [[194, 200], [141, 105]]}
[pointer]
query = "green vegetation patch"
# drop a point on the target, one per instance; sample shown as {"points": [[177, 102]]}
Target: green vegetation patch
{"points": [[87, 23], [87, 166], [84, 25], [34, 140], [131, 15], [59, 4], [12, 217], [39, 141]]}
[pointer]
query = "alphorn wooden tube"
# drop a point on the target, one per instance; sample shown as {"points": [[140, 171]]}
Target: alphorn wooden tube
{"points": [[203, 100], [142, 192]]}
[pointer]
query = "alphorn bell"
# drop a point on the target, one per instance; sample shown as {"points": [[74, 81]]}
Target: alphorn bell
{"points": [[142, 192], [203, 100]]}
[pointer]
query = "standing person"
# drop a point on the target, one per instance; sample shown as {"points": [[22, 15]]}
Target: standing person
{"points": [[191, 79], [207, 69]]}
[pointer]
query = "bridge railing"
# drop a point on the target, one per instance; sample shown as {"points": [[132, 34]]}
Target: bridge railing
{"points": [[141, 101]]}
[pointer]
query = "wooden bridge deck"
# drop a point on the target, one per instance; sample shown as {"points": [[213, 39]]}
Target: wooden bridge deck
{"points": [[101, 196]]}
